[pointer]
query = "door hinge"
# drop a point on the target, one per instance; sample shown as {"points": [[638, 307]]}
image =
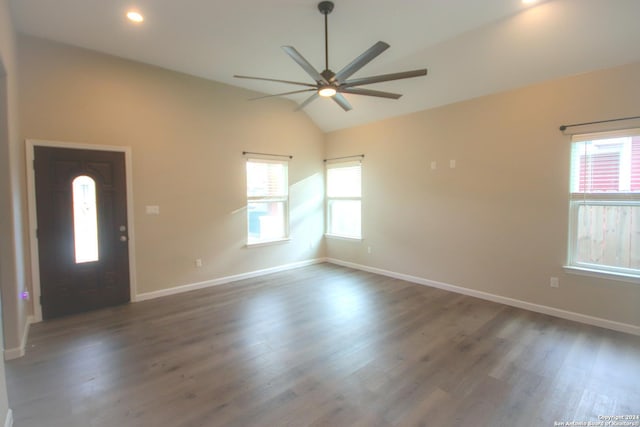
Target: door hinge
{"points": [[40, 299], [34, 164], [37, 233]]}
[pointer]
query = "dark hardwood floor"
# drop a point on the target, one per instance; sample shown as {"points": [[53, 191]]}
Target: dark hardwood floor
{"points": [[321, 346]]}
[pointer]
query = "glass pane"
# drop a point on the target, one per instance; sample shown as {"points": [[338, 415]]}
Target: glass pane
{"points": [[344, 218], [266, 221], [85, 219], [608, 235], [266, 179], [344, 181], [606, 165], [635, 164]]}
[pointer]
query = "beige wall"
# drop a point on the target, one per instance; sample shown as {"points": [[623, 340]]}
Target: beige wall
{"points": [[13, 317], [497, 222], [187, 136], [14, 272]]}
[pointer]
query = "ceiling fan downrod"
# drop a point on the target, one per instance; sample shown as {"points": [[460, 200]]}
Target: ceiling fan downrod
{"points": [[325, 7]]}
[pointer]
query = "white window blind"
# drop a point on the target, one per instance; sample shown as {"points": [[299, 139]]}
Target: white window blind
{"points": [[267, 200], [605, 202], [344, 199]]}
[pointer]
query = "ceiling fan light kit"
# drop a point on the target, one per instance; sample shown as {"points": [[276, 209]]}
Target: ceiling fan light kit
{"points": [[333, 85], [327, 91]]}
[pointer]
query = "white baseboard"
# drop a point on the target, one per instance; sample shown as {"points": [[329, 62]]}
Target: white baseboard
{"points": [[551, 311], [8, 421], [223, 280], [18, 352]]}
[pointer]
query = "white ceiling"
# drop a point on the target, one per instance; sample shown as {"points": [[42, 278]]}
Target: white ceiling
{"points": [[470, 47]]}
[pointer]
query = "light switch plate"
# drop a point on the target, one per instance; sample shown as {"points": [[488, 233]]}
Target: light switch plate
{"points": [[152, 209]]}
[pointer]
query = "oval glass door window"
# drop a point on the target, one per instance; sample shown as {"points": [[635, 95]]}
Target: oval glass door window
{"points": [[85, 219]]}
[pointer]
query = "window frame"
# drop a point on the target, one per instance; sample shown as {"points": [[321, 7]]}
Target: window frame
{"points": [[329, 199], [585, 198], [268, 199]]}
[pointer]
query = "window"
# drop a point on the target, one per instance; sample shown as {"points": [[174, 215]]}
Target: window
{"points": [[85, 219], [604, 230], [344, 199], [267, 201]]}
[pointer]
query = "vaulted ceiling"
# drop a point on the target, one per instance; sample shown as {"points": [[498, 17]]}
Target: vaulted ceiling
{"points": [[471, 48]]}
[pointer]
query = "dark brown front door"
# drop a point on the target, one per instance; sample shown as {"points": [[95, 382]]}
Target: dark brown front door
{"points": [[82, 233]]}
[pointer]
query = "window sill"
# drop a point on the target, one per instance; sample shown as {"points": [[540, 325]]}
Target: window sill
{"points": [[337, 237], [268, 243], [602, 274]]}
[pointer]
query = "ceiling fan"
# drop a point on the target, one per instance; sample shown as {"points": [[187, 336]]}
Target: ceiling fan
{"points": [[333, 85]]}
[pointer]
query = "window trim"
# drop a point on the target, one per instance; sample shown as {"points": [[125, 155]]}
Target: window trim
{"points": [[269, 199], [622, 198], [339, 237], [328, 199], [601, 274]]}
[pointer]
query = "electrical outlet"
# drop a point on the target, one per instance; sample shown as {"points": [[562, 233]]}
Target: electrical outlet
{"points": [[368, 249], [198, 262], [554, 282]]}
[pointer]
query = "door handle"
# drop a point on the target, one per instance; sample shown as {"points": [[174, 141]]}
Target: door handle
{"points": [[123, 238]]}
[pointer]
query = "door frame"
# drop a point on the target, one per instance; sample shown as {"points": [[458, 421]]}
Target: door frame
{"points": [[33, 222]]}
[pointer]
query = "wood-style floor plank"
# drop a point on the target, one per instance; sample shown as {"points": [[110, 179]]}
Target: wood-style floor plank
{"points": [[321, 346]]}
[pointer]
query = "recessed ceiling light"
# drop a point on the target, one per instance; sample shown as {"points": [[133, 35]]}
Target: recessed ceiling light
{"points": [[135, 16], [529, 1]]}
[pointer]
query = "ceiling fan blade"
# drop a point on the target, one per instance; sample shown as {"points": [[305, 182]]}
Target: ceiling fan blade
{"points": [[342, 101], [295, 55], [384, 78], [281, 94], [367, 92], [361, 61], [307, 101], [274, 80]]}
